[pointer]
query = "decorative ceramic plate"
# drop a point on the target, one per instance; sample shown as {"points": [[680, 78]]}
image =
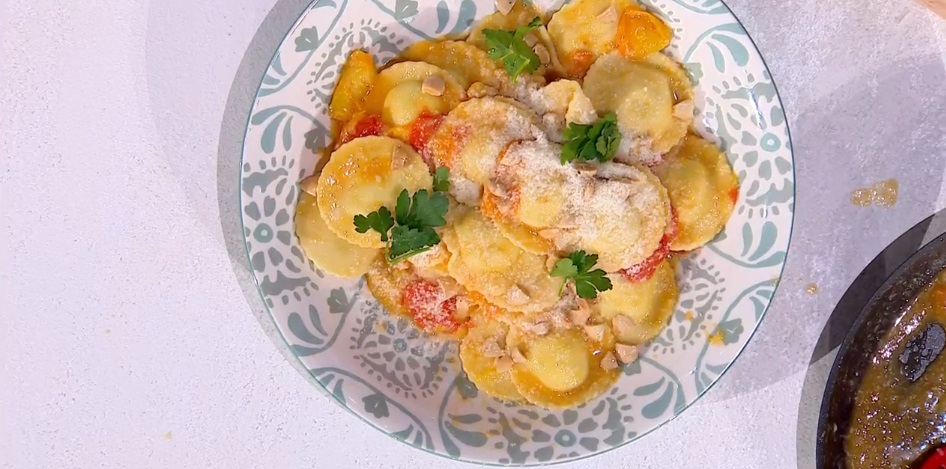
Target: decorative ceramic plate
{"points": [[386, 372]]}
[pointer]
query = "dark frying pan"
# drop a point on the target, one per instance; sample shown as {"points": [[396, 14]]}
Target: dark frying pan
{"points": [[877, 317]]}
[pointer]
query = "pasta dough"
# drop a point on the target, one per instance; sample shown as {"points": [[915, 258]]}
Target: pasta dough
{"points": [[386, 283], [484, 261], [397, 93], [561, 369], [703, 190], [466, 62], [642, 95], [472, 137], [583, 30], [482, 370], [325, 249], [624, 218], [648, 304], [363, 175]]}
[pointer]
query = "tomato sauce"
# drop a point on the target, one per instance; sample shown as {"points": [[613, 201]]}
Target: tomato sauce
{"points": [[367, 125], [431, 311], [421, 130]]}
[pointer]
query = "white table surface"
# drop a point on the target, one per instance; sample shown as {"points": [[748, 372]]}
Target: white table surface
{"points": [[130, 335]]}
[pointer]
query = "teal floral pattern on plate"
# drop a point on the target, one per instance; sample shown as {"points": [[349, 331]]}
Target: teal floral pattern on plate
{"points": [[411, 386]]}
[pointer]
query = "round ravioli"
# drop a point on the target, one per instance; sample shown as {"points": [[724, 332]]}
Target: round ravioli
{"points": [[703, 191], [386, 283], [521, 14], [561, 369], [622, 218], [482, 370], [484, 261], [398, 93], [647, 304], [642, 95], [324, 248], [432, 263], [363, 175], [534, 187], [466, 62], [523, 237], [583, 30], [471, 138]]}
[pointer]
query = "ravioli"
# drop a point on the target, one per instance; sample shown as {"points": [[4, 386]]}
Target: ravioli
{"points": [[521, 14], [482, 370], [623, 218], [642, 95], [484, 261], [363, 175], [324, 248], [386, 283], [466, 62], [703, 190], [472, 137], [561, 369], [532, 186], [584, 30], [397, 94], [648, 304]]}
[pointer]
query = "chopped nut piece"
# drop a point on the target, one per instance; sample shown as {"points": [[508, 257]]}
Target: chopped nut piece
{"points": [[481, 90], [517, 355], [609, 15], [622, 324], [543, 53], [433, 85], [399, 158], [579, 317], [517, 296], [683, 110], [589, 191], [627, 353], [531, 39], [550, 262], [596, 332], [550, 233], [608, 362], [586, 169], [504, 364], [491, 348], [558, 320], [309, 185], [505, 6], [540, 328], [463, 308]]}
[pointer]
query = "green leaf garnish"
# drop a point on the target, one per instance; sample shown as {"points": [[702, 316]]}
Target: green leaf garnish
{"points": [[380, 220], [577, 266], [598, 141], [442, 179], [511, 49], [415, 217]]}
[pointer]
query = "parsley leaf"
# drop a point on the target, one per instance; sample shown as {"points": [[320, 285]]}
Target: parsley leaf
{"points": [[406, 242], [379, 220], [442, 179], [510, 48], [416, 217], [577, 266], [426, 210], [598, 141]]}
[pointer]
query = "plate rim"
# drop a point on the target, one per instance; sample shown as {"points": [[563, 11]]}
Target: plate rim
{"points": [[324, 390]]}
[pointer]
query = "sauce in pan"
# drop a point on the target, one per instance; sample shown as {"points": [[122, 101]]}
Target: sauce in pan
{"points": [[900, 410]]}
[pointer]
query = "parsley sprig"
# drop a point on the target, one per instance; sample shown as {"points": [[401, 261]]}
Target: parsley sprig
{"points": [[577, 266], [598, 141], [510, 48], [412, 225]]}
